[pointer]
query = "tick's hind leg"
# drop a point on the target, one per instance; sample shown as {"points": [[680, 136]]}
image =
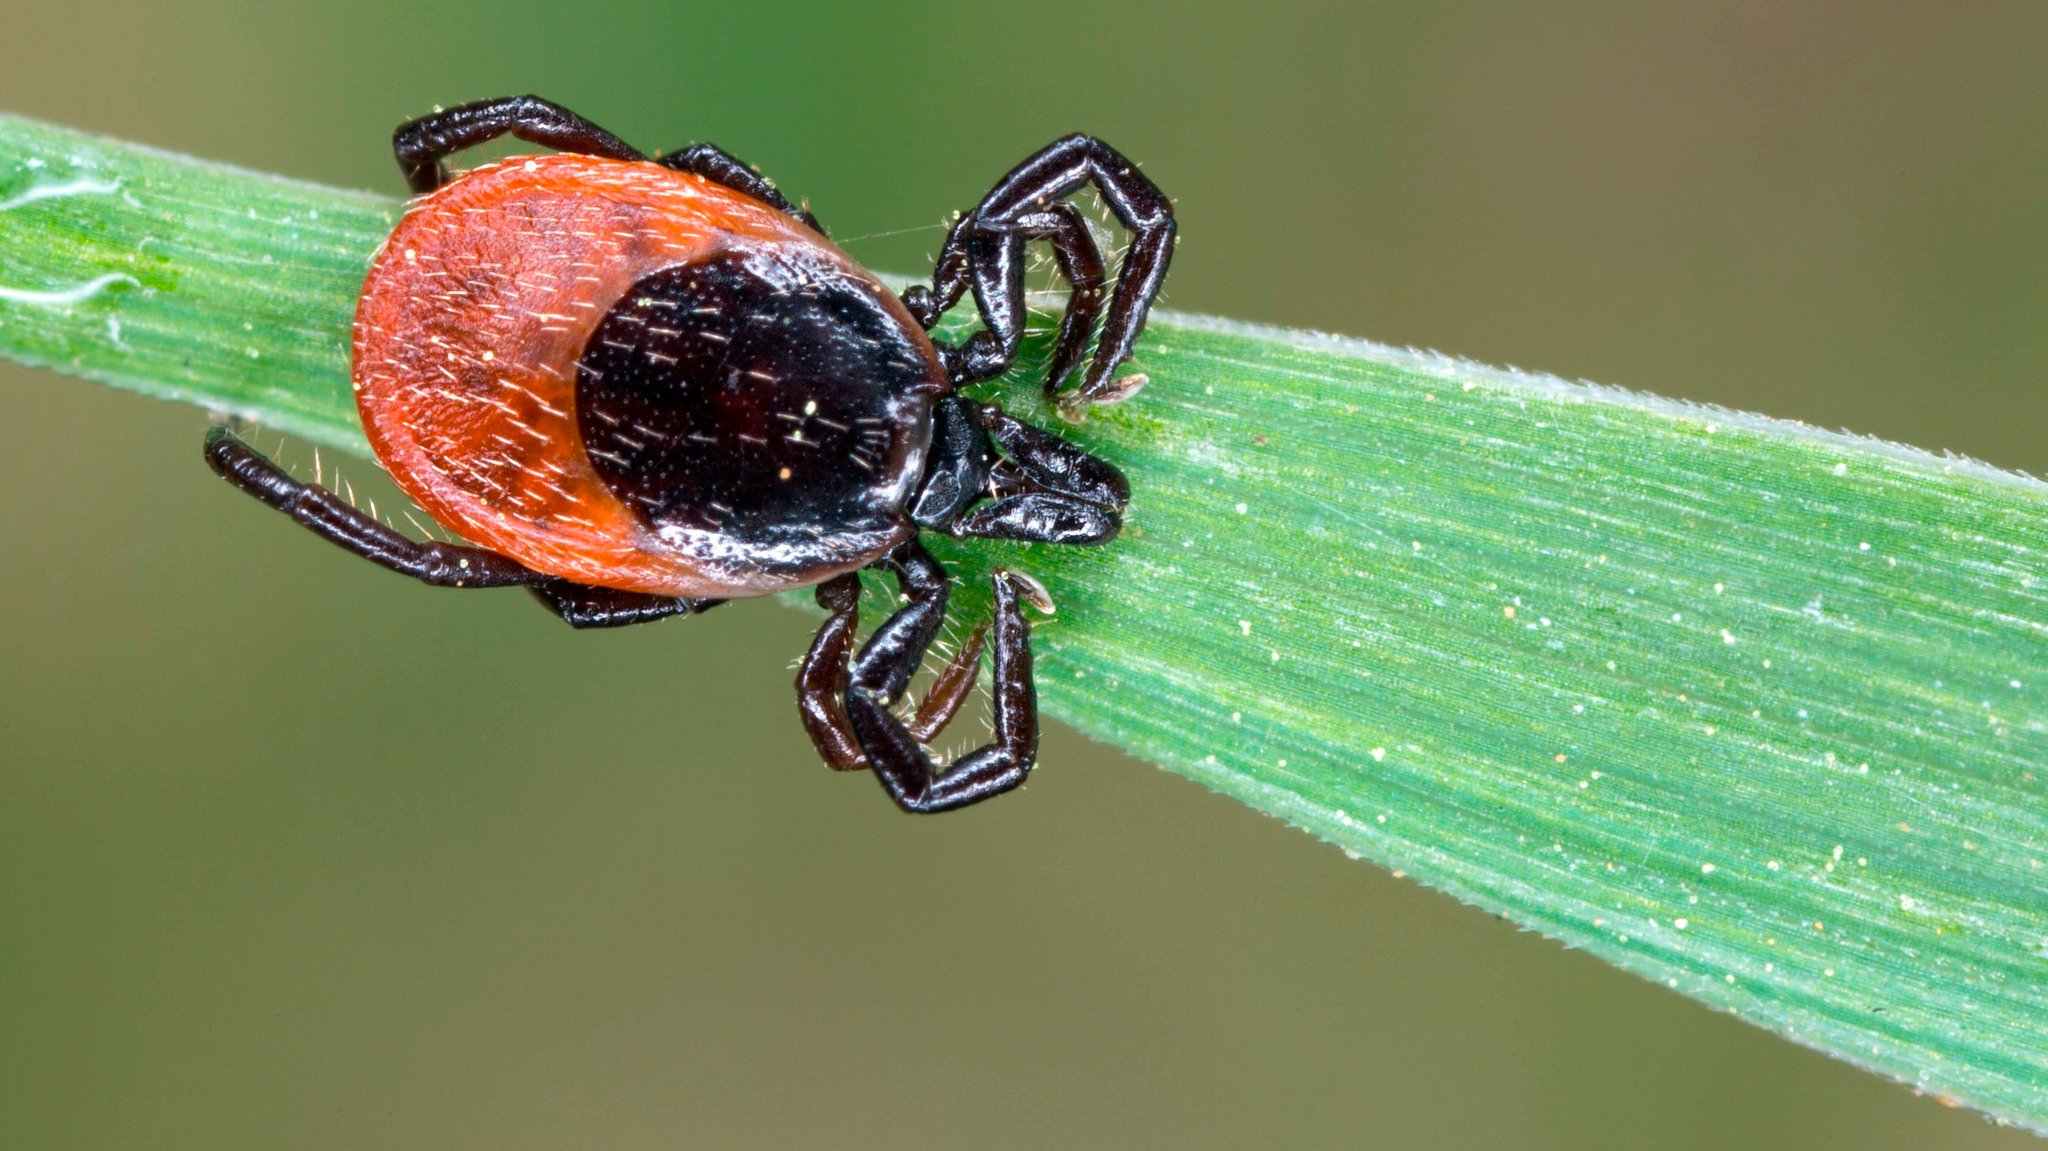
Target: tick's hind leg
{"points": [[420, 145], [581, 605], [722, 167], [906, 770], [333, 518], [822, 681]]}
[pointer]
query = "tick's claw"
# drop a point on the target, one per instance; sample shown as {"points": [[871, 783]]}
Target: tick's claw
{"points": [[1030, 589]]}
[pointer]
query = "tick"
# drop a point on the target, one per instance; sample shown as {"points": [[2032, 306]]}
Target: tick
{"points": [[641, 388]]}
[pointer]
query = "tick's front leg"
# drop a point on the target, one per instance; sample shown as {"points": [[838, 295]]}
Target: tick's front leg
{"points": [[823, 677], [907, 772]]}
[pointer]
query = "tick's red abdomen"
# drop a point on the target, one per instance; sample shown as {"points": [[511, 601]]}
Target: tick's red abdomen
{"points": [[468, 339]]}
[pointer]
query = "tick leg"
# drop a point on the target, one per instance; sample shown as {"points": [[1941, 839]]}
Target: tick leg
{"points": [[328, 515], [822, 680], [896, 649], [990, 260], [1045, 489], [1051, 462], [581, 605], [1040, 518], [422, 144], [907, 772], [722, 167], [1022, 199], [951, 689], [1080, 263], [1063, 168]]}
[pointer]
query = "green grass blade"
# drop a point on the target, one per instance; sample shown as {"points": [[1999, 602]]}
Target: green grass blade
{"points": [[1752, 710]]}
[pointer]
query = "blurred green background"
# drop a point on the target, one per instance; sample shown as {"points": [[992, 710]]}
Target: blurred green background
{"points": [[296, 853]]}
